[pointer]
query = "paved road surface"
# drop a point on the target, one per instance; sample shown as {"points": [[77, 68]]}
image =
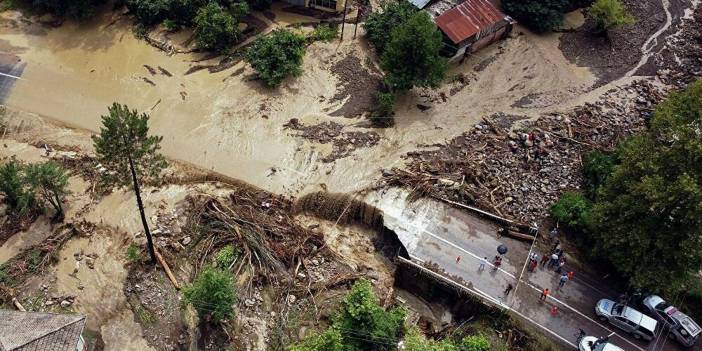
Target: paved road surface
{"points": [[434, 232]]}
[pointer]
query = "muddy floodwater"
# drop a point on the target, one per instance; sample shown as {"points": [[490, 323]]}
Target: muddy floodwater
{"points": [[229, 123]]}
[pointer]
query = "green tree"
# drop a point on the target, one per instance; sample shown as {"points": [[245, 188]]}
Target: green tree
{"points": [[609, 14], [411, 57], [362, 315], [597, 166], [648, 217], [18, 197], [415, 341], [330, 340], [50, 181], [572, 209], [125, 148], [474, 343], [212, 295], [215, 28], [382, 114], [380, 24], [277, 56], [149, 12], [77, 9], [538, 15]]}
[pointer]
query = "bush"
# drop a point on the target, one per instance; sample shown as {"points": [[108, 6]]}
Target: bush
{"points": [[474, 343], [538, 15], [380, 24], [77, 9], [212, 295], [19, 197], [226, 256], [149, 12], [572, 209], [215, 28], [324, 32], [597, 166], [609, 14], [134, 253], [330, 340], [411, 57], [170, 25], [277, 56], [382, 115]]}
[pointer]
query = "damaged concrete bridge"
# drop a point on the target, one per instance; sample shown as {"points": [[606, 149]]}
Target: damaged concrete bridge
{"points": [[448, 244]]}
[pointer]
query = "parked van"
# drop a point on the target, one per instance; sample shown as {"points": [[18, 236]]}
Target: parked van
{"points": [[639, 325], [682, 328]]}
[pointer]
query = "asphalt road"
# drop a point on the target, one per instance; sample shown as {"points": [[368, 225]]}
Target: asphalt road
{"points": [[434, 232]]}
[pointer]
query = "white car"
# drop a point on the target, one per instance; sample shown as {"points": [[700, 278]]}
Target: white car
{"points": [[682, 328], [639, 325], [587, 343]]}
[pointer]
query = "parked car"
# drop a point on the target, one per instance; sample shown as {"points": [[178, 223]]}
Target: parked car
{"points": [[682, 328], [589, 343], [639, 325]]}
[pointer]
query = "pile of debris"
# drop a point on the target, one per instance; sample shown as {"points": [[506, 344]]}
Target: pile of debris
{"points": [[681, 58], [520, 172], [344, 143], [260, 225]]}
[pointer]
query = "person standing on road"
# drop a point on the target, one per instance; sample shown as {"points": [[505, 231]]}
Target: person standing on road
{"points": [[553, 261], [561, 263], [497, 263], [458, 259], [562, 281], [544, 294], [554, 233], [532, 264], [570, 275], [508, 289], [544, 259], [483, 262]]}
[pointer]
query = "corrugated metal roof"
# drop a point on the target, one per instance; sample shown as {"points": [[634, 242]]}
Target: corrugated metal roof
{"points": [[468, 18]]}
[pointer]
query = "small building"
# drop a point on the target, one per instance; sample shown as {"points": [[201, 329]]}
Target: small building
{"points": [[469, 26], [35, 331]]}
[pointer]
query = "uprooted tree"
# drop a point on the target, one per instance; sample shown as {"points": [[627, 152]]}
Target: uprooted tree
{"points": [[125, 148], [411, 57]]}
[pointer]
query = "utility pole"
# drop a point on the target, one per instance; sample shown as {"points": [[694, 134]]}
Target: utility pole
{"points": [[343, 20], [526, 262], [137, 191], [358, 16]]}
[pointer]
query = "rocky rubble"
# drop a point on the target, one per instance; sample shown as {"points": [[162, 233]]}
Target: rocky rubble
{"points": [[520, 171], [344, 143], [680, 61]]}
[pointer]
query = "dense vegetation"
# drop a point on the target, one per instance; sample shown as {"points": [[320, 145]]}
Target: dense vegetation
{"points": [[538, 15], [363, 325], [76, 9], [217, 28], [277, 55], [380, 24], [33, 187], [212, 295], [609, 14], [411, 57], [646, 200]]}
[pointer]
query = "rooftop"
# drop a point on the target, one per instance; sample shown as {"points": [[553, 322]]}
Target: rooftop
{"points": [[34, 331], [468, 18]]}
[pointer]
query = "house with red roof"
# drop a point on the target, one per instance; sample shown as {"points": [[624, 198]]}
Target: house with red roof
{"points": [[467, 26]]}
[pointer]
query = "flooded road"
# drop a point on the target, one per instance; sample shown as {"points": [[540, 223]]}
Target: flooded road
{"points": [[228, 123]]}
